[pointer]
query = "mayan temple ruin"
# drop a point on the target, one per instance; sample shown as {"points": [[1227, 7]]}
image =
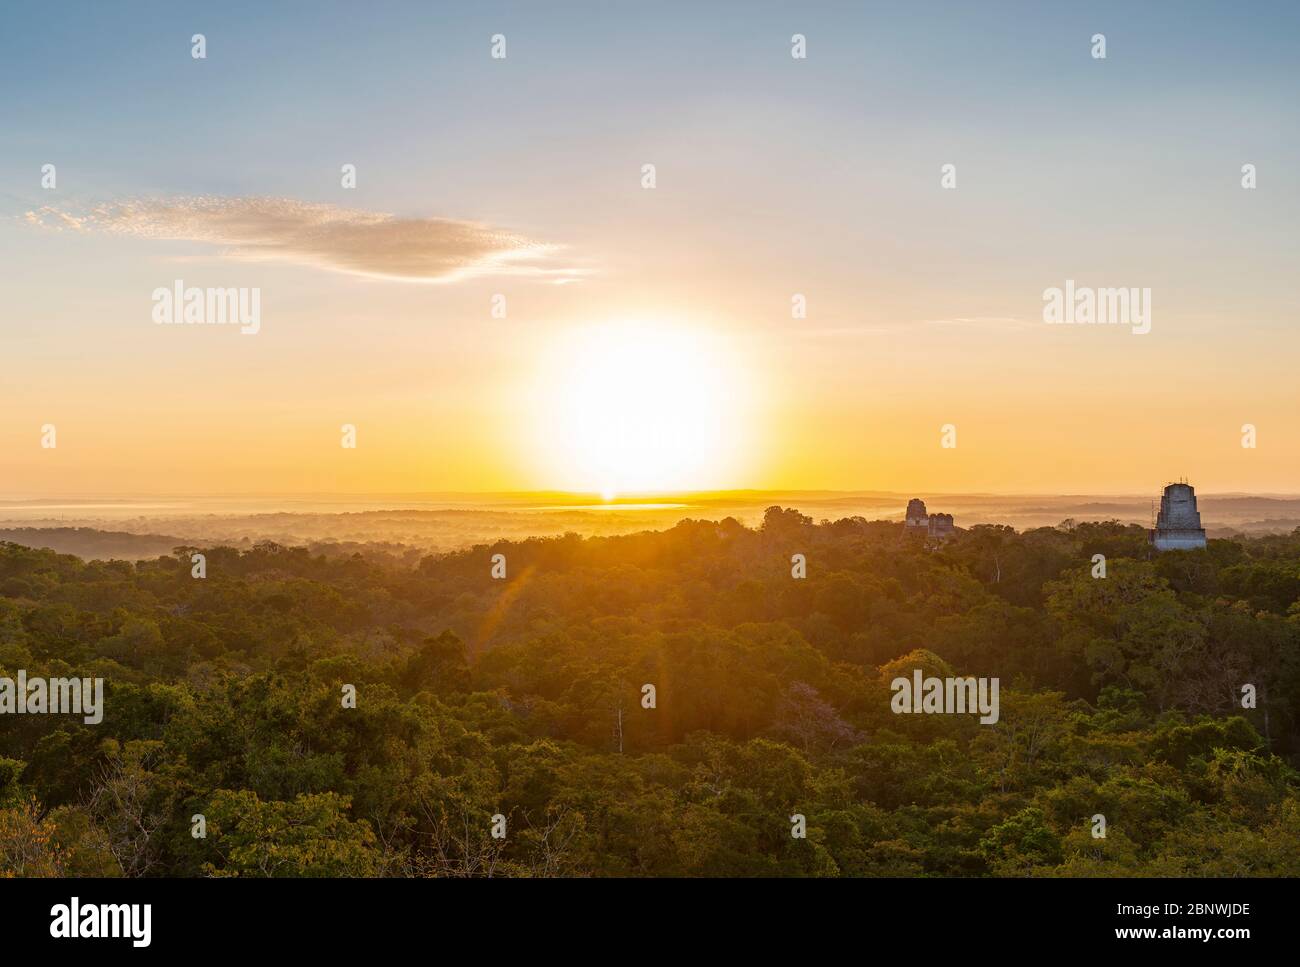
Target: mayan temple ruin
{"points": [[1178, 525], [917, 521]]}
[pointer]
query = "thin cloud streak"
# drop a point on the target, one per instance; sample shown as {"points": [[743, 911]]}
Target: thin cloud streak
{"points": [[372, 244], [968, 322], [982, 322]]}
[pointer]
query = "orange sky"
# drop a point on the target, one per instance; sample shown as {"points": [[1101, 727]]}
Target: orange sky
{"points": [[524, 178]]}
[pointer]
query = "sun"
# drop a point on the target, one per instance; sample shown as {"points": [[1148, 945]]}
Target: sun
{"points": [[641, 408]]}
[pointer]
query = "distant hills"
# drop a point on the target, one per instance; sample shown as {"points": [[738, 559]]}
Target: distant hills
{"points": [[91, 544], [147, 527]]}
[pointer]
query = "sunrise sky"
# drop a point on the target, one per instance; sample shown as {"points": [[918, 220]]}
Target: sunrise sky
{"points": [[635, 313]]}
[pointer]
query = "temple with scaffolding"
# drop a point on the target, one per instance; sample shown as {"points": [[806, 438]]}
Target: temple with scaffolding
{"points": [[1178, 525]]}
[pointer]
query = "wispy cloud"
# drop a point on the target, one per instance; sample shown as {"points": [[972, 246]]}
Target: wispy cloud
{"points": [[982, 322], [348, 240], [905, 326]]}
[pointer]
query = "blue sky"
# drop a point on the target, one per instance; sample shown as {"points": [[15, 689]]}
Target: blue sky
{"points": [[111, 89]]}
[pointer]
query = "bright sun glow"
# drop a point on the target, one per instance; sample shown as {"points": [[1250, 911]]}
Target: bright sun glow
{"points": [[640, 408]]}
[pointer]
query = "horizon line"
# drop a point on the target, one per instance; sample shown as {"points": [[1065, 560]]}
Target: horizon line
{"points": [[638, 496]]}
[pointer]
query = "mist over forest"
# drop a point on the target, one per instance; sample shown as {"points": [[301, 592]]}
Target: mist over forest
{"points": [[406, 528]]}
